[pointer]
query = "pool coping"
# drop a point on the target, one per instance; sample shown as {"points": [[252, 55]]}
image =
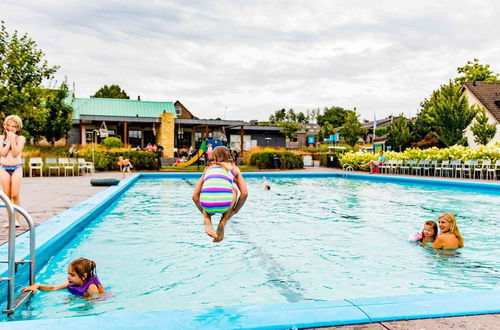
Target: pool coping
{"points": [[59, 230]]}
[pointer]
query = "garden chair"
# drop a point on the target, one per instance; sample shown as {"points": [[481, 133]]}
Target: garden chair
{"points": [[425, 166], [90, 167], [432, 166], [439, 168], [492, 170], [464, 167], [52, 166], [36, 164], [65, 165], [82, 166], [417, 167], [451, 168], [397, 166], [74, 163], [482, 168], [472, 168], [407, 166], [386, 167]]}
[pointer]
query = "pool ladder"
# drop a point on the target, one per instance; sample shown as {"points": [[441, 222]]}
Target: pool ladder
{"points": [[14, 302]]}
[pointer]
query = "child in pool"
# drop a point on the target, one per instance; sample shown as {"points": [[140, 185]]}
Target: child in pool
{"points": [[428, 234], [82, 280], [266, 185], [11, 168], [449, 236], [215, 192]]}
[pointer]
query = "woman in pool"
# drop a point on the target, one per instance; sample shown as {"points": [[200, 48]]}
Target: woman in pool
{"points": [[11, 168], [449, 236], [428, 234], [82, 280], [215, 192]]}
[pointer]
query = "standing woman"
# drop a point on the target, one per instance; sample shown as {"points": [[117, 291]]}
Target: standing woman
{"points": [[11, 168]]}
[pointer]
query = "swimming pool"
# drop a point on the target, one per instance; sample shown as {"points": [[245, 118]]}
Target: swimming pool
{"points": [[308, 239]]}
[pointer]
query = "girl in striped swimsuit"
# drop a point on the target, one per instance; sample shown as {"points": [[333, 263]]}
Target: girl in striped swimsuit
{"points": [[215, 192]]}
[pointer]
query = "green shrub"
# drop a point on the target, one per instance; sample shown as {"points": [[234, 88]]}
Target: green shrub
{"points": [[288, 160], [108, 161], [112, 142]]}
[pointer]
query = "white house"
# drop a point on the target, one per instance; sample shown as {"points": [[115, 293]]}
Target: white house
{"points": [[487, 96]]}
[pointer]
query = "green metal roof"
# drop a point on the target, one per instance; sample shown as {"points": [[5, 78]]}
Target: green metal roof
{"points": [[119, 108]]}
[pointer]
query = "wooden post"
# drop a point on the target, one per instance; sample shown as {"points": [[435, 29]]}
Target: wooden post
{"points": [[241, 141], [206, 131], [82, 137], [125, 135]]}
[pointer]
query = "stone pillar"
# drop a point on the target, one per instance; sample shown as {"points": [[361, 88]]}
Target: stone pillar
{"points": [[166, 134]]}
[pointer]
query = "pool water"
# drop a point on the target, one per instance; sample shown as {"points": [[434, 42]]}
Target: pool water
{"points": [[306, 239]]}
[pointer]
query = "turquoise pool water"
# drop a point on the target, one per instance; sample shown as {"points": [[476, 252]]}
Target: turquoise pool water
{"points": [[304, 240]]}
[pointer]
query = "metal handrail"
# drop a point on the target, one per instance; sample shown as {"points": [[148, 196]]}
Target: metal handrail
{"points": [[11, 260]]}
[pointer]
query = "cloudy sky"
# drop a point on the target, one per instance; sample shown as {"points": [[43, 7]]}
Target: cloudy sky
{"points": [[254, 57]]}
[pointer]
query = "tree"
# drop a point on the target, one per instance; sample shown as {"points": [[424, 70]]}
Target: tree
{"points": [[59, 117], [473, 71], [289, 128], [111, 92], [483, 131], [399, 134], [278, 116], [301, 118], [352, 129], [451, 114], [336, 116], [291, 116], [23, 69]]}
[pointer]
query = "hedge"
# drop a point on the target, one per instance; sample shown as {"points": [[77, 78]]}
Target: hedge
{"points": [[265, 160], [356, 159], [108, 160]]}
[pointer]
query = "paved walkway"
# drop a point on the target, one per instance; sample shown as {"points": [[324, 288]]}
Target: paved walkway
{"points": [[45, 197]]}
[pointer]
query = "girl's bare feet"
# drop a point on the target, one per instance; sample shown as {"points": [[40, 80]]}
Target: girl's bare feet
{"points": [[209, 228], [220, 231]]}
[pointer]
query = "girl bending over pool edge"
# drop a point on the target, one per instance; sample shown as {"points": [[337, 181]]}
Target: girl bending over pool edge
{"points": [[449, 236], [215, 192], [82, 280]]}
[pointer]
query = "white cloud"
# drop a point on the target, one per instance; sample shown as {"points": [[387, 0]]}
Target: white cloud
{"points": [[259, 56]]}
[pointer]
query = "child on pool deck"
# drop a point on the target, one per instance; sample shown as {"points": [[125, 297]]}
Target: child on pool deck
{"points": [[449, 236], [428, 234], [82, 280], [215, 192], [11, 168], [125, 165]]}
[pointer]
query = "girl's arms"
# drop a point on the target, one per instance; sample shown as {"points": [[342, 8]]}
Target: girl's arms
{"points": [[439, 243], [242, 186], [4, 149], [42, 287], [93, 291], [16, 146]]}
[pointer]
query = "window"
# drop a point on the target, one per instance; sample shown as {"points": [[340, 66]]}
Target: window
{"points": [[178, 110], [135, 138]]}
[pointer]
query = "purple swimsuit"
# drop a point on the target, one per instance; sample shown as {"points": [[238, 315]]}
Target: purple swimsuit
{"points": [[80, 290]]}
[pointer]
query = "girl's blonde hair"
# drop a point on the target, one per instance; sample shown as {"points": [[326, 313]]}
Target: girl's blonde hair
{"points": [[15, 119], [450, 218]]}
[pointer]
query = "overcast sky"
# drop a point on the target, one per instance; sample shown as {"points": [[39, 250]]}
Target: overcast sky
{"points": [[255, 57]]}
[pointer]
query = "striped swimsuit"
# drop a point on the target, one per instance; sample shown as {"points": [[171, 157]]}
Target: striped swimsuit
{"points": [[217, 190]]}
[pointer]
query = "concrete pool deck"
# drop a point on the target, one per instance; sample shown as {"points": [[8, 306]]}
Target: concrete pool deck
{"points": [[46, 197]]}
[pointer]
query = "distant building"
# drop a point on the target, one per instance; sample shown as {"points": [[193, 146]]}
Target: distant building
{"points": [[299, 138], [487, 96], [137, 123]]}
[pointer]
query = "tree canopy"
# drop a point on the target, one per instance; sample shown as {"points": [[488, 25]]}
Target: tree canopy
{"points": [[111, 92], [474, 71], [399, 134], [336, 116], [23, 70], [450, 113], [352, 129], [482, 130]]}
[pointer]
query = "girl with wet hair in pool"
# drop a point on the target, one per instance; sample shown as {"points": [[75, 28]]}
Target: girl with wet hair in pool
{"points": [[449, 236], [82, 280], [216, 193], [11, 167]]}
